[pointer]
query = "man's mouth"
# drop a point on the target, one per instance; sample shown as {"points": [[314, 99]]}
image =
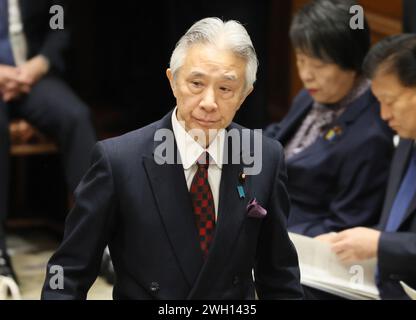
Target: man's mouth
{"points": [[205, 123]]}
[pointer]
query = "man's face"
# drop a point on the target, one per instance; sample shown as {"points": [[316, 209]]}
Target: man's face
{"points": [[398, 104], [209, 88]]}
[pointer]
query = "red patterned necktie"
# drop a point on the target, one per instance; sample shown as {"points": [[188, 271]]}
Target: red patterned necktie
{"points": [[203, 204]]}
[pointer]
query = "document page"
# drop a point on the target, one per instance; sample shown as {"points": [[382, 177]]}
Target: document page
{"points": [[321, 269]]}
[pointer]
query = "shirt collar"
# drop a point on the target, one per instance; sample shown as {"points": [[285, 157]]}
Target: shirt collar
{"points": [[190, 150]]}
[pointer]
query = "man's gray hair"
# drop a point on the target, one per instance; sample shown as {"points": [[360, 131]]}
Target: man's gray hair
{"points": [[230, 34]]}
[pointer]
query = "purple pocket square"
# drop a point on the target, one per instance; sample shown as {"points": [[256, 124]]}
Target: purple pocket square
{"points": [[255, 210]]}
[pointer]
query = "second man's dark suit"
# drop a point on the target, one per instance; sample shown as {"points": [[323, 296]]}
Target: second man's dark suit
{"points": [[397, 250]]}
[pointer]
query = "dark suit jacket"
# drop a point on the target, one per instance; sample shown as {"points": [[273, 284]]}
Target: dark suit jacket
{"points": [[397, 250], [40, 37], [338, 184], [143, 211]]}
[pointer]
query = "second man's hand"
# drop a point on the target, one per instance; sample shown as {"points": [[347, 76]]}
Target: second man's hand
{"points": [[355, 244]]}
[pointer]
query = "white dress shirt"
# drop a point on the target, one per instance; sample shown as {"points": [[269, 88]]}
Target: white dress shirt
{"points": [[190, 151], [17, 37]]}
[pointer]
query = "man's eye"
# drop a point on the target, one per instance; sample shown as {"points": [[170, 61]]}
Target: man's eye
{"points": [[225, 89], [196, 84]]}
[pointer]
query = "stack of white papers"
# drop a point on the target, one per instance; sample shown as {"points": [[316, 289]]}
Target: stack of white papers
{"points": [[321, 269]]}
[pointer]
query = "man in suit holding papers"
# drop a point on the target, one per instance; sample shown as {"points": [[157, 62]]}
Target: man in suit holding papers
{"points": [[391, 65]]}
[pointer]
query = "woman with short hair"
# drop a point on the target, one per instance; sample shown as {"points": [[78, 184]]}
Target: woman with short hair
{"points": [[337, 148]]}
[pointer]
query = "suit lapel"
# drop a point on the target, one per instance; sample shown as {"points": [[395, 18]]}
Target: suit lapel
{"points": [[232, 212], [231, 215], [398, 170], [352, 112], [319, 146], [175, 208], [411, 211], [412, 206]]}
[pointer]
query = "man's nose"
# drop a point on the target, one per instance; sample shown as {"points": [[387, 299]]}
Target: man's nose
{"points": [[385, 112], [208, 101]]}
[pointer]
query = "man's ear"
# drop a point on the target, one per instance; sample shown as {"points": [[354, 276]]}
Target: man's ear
{"points": [[249, 90], [245, 95], [171, 80]]}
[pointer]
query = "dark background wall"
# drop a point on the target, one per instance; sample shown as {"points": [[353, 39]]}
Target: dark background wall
{"points": [[119, 54]]}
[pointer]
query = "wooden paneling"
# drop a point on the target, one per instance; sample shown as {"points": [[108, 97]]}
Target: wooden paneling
{"points": [[279, 69], [388, 8]]}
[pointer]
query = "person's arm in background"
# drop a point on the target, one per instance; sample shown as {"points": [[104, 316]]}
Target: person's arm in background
{"points": [[361, 187], [15, 81], [395, 251], [51, 53]]}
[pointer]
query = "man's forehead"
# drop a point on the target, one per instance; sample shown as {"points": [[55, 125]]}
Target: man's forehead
{"points": [[387, 86], [206, 54], [385, 80], [229, 75]]}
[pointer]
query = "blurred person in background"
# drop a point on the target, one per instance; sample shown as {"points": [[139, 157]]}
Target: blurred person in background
{"points": [[31, 59], [337, 148], [391, 65]]}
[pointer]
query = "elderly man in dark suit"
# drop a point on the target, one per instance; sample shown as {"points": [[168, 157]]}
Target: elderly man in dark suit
{"points": [[30, 59], [391, 65], [186, 223]]}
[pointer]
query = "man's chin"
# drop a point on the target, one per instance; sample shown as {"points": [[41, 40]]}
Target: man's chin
{"points": [[405, 135], [203, 134], [206, 129]]}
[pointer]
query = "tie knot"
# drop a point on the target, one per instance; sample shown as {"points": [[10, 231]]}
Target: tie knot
{"points": [[203, 160]]}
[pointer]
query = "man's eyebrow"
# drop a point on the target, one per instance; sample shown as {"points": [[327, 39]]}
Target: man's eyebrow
{"points": [[230, 77], [197, 74]]}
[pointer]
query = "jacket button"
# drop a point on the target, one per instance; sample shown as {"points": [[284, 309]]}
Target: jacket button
{"points": [[154, 287], [236, 280]]}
